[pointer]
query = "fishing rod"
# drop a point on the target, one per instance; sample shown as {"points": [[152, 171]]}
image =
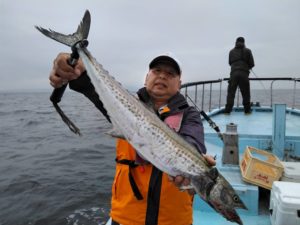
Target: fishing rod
{"points": [[211, 123]]}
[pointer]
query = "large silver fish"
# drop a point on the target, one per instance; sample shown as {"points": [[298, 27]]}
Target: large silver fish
{"points": [[153, 139]]}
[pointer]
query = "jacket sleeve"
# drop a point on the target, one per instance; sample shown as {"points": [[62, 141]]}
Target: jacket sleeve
{"points": [[251, 60], [84, 85], [192, 129], [230, 58]]}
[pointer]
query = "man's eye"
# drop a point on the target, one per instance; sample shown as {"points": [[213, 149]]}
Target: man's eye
{"points": [[171, 74]]}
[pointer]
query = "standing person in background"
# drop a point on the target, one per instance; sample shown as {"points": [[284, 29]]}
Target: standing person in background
{"points": [[241, 62]]}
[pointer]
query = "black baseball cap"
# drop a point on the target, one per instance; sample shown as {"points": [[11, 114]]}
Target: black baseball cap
{"points": [[165, 59]]}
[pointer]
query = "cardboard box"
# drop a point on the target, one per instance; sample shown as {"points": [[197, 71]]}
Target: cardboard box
{"points": [[260, 167]]}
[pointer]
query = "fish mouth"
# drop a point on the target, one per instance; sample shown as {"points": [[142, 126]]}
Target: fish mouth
{"points": [[229, 213], [232, 216], [243, 206]]}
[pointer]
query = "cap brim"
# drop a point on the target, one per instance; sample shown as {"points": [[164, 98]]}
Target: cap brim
{"points": [[163, 59]]}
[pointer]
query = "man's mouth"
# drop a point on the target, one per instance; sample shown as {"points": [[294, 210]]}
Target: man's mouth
{"points": [[158, 84]]}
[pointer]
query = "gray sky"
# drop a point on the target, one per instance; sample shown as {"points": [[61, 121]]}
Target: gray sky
{"points": [[126, 34]]}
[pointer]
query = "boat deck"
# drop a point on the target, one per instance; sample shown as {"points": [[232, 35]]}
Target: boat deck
{"points": [[207, 218], [254, 130]]}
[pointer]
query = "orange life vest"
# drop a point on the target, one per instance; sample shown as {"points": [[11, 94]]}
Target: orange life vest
{"points": [[175, 207]]}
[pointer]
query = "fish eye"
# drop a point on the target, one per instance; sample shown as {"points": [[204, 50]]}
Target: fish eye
{"points": [[236, 198]]}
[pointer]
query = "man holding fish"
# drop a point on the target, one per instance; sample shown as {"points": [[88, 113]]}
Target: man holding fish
{"points": [[141, 193]]}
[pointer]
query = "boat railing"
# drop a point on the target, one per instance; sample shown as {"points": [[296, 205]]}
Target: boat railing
{"points": [[211, 94]]}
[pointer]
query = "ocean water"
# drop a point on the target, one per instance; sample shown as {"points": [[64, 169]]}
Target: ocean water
{"points": [[48, 175]]}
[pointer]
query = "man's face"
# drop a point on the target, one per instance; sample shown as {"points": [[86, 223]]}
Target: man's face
{"points": [[162, 82]]}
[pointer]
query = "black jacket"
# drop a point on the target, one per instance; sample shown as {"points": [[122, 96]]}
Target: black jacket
{"points": [[241, 58], [191, 127]]}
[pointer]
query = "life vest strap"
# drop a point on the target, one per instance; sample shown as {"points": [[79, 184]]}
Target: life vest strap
{"points": [[134, 187], [153, 201]]}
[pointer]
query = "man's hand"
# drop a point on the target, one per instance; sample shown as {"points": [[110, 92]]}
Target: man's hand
{"points": [[62, 72], [210, 160], [180, 181]]}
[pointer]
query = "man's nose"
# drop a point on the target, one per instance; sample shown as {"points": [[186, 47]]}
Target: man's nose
{"points": [[163, 74]]}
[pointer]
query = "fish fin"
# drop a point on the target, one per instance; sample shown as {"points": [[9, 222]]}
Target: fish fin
{"points": [[71, 39], [115, 134]]}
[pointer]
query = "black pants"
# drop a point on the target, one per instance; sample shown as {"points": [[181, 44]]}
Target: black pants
{"points": [[238, 78]]}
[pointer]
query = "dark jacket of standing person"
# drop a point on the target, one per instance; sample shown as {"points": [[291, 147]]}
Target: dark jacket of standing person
{"points": [[240, 57]]}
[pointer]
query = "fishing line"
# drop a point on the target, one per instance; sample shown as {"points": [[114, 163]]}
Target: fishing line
{"points": [[266, 92]]}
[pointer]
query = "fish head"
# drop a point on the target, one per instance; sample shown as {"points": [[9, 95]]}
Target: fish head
{"points": [[227, 212], [214, 189], [232, 216], [223, 193], [223, 198]]}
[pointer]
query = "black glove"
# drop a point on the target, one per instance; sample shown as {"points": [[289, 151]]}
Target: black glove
{"points": [[84, 85]]}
